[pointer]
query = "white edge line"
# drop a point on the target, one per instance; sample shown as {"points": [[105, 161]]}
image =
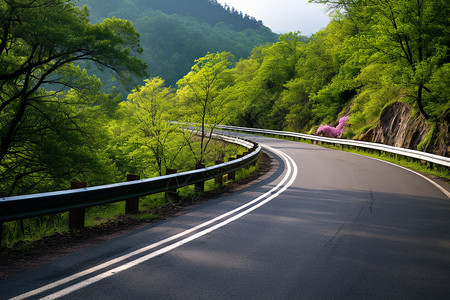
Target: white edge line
{"points": [[154, 245], [444, 191]]}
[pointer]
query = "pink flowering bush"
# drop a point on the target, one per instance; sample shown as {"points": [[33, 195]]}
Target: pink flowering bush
{"points": [[337, 131]]}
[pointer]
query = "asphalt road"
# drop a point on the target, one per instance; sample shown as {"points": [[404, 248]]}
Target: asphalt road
{"points": [[323, 224]]}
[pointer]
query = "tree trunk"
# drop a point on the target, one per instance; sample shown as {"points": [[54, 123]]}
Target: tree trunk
{"points": [[419, 102], [7, 139]]}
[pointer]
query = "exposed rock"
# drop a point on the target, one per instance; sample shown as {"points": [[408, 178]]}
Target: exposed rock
{"points": [[440, 144], [397, 128]]}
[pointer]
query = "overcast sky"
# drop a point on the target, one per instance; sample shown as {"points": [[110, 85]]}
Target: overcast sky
{"points": [[284, 16]]}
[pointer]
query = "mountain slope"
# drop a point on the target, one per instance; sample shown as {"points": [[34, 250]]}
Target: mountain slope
{"points": [[174, 33]]}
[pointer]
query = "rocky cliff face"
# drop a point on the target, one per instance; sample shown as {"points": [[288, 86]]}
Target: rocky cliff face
{"points": [[397, 128], [440, 144]]}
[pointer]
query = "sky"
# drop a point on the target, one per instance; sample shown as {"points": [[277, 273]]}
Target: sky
{"points": [[284, 16]]}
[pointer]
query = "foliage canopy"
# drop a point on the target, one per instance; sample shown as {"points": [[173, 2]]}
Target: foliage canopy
{"points": [[56, 125], [40, 40]]}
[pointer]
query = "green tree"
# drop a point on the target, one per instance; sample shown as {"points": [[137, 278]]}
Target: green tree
{"points": [[261, 79], [200, 94], [142, 130], [411, 35], [57, 142], [40, 40]]}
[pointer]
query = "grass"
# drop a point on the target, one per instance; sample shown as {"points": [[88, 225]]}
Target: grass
{"points": [[100, 214], [17, 234]]}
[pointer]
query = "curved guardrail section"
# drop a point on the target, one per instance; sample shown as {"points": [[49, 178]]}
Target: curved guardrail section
{"points": [[429, 157], [20, 207]]}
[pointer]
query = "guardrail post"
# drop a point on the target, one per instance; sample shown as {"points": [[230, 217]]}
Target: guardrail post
{"points": [[171, 193], [1, 223], [256, 161], [244, 154], [1, 234], [77, 215], [200, 186], [232, 174], [132, 205], [219, 179]]}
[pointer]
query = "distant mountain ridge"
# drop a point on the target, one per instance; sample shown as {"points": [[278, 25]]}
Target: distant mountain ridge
{"points": [[209, 11], [176, 32]]}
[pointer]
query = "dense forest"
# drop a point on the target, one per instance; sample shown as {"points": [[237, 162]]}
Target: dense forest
{"points": [[58, 126], [175, 33]]}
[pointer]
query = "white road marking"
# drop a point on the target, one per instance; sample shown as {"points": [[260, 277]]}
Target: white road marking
{"points": [[291, 168], [446, 193]]}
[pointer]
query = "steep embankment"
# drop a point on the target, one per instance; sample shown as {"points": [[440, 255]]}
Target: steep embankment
{"points": [[398, 127]]}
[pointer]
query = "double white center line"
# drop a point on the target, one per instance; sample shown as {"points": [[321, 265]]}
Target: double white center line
{"points": [[288, 179]]}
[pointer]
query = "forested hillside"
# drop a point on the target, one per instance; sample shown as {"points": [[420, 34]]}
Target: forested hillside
{"points": [[370, 57], [209, 11], [174, 33], [384, 65]]}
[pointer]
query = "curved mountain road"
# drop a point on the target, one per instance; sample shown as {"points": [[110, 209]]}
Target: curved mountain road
{"points": [[323, 224]]}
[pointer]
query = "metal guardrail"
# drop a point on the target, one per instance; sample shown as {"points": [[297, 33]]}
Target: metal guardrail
{"points": [[429, 157], [26, 206]]}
